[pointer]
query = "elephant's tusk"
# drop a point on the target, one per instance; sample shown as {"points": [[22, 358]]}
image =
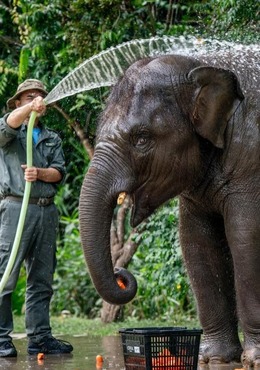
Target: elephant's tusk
{"points": [[121, 198]]}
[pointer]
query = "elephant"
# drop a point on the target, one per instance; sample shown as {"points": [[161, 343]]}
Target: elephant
{"points": [[186, 126]]}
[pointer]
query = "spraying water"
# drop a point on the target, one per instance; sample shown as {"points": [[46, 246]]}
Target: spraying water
{"points": [[105, 68]]}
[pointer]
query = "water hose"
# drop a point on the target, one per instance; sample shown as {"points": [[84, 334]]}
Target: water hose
{"points": [[24, 207]]}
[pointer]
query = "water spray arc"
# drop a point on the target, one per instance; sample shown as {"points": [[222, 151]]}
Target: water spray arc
{"points": [[105, 68]]}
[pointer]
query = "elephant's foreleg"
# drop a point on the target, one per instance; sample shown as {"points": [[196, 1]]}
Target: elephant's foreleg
{"points": [[209, 265], [244, 239]]}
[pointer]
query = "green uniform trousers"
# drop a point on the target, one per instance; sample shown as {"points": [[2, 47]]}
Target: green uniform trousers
{"points": [[38, 250]]}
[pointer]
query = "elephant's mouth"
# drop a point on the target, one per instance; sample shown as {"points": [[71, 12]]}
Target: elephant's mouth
{"points": [[141, 208]]}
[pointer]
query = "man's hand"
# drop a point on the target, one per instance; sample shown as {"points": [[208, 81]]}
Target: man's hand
{"points": [[30, 173], [42, 174], [38, 105]]}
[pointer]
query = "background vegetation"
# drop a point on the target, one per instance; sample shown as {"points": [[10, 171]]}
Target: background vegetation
{"points": [[46, 40]]}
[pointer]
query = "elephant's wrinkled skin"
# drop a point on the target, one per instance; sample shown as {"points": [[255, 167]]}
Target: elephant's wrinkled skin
{"points": [[177, 126]]}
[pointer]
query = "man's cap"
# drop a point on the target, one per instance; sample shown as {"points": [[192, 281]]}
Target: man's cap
{"points": [[30, 84]]}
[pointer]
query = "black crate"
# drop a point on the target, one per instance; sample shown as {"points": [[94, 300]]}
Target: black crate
{"points": [[163, 348]]}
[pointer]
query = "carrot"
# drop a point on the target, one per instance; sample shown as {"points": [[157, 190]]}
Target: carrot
{"points": [[99, 362], [121, 283], [166, 360], [40, 356]]}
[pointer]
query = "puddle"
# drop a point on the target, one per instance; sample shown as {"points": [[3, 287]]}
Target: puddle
{"points": [[86, 348], [83, 357]]}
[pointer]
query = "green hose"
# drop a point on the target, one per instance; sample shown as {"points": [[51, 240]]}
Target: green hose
{"points": [[24, 207]]}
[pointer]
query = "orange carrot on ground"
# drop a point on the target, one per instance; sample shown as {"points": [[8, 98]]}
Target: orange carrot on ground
{"points": [[99, 362], [40, 356]]}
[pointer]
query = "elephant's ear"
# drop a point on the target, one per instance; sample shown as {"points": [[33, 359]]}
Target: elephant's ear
{"points": [[217, 96]]}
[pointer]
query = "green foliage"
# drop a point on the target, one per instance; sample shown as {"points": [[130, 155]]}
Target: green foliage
{"points": [[72, 325], [18, 297], [163, 288], [74, 290], [23, 63], [3, 80], [233, 20], [76, 162]]}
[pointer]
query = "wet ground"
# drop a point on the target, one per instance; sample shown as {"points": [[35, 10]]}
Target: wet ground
{"points": [[86, 348], [83, 357]]}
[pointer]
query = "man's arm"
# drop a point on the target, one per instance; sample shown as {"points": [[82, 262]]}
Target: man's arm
{"points": [[19, 115], [43, 174]]}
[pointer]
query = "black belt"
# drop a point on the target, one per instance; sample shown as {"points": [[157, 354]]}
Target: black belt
{"points": [[42, 202]]}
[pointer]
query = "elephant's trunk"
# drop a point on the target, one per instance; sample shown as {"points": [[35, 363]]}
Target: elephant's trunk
{"points": [[96, 207]]}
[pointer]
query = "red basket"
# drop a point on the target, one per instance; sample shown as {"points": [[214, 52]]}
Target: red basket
{"points": [[171, 348]]}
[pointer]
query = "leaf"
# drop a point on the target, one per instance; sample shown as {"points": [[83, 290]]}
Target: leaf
{"points": [[23, 63]]}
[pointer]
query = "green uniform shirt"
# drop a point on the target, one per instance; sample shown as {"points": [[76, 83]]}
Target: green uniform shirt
{"points": [[46, 153]]}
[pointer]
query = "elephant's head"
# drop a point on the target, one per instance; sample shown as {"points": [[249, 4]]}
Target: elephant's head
{"points": [[149, 144]]}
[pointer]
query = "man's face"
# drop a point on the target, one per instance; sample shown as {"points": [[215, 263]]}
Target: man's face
{"points": [[28, 96], [25, 98]]}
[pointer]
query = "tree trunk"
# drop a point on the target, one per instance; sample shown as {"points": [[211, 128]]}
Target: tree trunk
{"points": [[122, 252], [79, 131], [110, 312]]}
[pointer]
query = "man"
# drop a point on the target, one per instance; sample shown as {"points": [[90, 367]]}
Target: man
{"points": [[38, 243]]}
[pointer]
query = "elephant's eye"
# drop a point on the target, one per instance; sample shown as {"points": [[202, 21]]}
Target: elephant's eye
{"points": [[141, 141]]}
